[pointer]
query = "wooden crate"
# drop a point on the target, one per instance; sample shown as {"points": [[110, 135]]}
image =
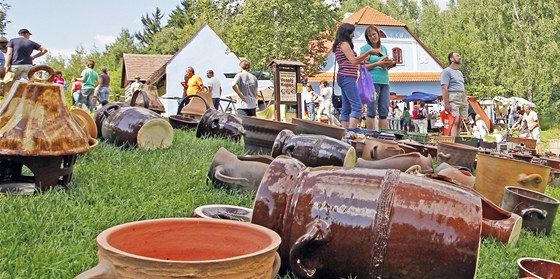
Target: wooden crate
{"points": [[528, 143]]}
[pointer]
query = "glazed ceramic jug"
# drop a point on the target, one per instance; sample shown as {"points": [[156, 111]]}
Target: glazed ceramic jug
{"points": [[538, 210], [336, 222], [214, 123], [104, 112], [234, 172]]}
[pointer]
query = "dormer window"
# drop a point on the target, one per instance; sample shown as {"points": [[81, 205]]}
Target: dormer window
{"points": [[397, 55]]}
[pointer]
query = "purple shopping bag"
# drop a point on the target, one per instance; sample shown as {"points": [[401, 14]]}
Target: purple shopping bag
{"points": [[365, 85]]}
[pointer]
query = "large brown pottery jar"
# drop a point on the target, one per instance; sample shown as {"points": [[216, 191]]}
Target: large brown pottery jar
{"points": [[376, 149], [261, 133], [400, 162], [233, 172], [37, 130], [538, 268], [148, 99], [494, 173], [456, 154], [538, 210], [186, 248], [335, 222], [317, 128], [214, 123], [104, 112], [136, 126], [314, 150]]}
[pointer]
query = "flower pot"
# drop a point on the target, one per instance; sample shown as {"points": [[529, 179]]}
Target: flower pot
{"points": [[456, 154], [214, 123], [538, 268], [538, 210], [186, 248], [314, 150], [369, 223], [318, 128], [223, 211], [261, 133], [233, 172]]}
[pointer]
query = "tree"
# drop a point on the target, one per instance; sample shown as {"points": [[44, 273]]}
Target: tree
{"points": [[4, 17], [152, 25]]}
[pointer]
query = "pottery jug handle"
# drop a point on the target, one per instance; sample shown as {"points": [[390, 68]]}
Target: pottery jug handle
{"points": [[529, 179], [144, 98], [541, 214], [218, 174], [103, 270], [317, 234], [276, 265], [46, 68], [110, 109], [444, 156], [92, 142]]}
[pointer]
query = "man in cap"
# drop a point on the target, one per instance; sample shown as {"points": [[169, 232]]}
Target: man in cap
{"points": [[19, 54]]}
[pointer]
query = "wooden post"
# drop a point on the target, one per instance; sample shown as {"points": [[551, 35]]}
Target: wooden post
{"points": [[287, 85]]}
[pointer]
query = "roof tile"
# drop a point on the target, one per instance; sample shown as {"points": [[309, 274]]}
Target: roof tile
{"points": [[368, 16]]}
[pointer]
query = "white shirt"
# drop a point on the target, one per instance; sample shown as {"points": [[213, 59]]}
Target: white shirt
{"points": [[215, 86]]}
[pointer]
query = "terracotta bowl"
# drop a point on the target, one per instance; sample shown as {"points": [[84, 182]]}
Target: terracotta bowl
{"points": [[223, 211], [538, 268]]}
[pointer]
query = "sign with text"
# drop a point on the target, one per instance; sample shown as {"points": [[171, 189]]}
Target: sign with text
{"points": [[288, 87]]}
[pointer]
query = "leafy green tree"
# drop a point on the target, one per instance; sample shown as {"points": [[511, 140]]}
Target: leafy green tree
{"points": [[152, 25], [3, 17]]}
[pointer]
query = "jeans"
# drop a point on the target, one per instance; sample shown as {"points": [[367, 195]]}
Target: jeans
{"points": [[310, 110], [216, 102], [351, 103], [86, 98], [247, 112], [381, 105], [104, 93]]}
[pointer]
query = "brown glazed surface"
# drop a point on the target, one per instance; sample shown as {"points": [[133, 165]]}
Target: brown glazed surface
{"points": [[490, 181], [261, 133], [538, 210], [214, 123], [456, 154], [153, 99], [317, 128], [186, 248], [122, 126], [368, 223], [376, 149], [313, 150], [400, 162], [233, 172], [538, 268], [35, 121], [104, 112]]}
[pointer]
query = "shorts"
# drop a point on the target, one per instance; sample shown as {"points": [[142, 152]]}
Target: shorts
{"points": [[459, 105], [536, 134]]}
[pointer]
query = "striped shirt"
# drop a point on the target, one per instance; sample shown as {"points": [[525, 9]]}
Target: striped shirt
{"points": [[345, 68]]}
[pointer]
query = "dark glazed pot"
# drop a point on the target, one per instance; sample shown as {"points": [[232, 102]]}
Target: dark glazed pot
{"points": [[104, 112], [233, 172], [314, 150], [261, 133], [538, 268], [400, 162], [368, 223], [131, 126], [183, 122], [148, 99], [456, 154], [538, 210], [214, 123], [317, 128]]}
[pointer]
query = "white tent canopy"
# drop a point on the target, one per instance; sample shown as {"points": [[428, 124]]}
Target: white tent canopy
{"points": [[513, 101]]}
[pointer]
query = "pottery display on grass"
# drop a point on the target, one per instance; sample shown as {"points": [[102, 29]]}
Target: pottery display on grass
{"points": [[136, 126], [538, 210], [214, 123], [456, 154], [400, 225], [104, 112], [376, 149], [538, 268], [499, 224], [233, 172], [223, 211], [314, 150], [494, 173], [147, 98], [186, 248], [401, 162], [454, 175], [317, 128], [261, 133]]}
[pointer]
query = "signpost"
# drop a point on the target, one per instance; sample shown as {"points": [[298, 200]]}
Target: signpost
{"points": [[287, 85]]}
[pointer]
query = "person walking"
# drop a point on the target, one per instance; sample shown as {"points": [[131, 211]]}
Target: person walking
{"points": [[347, 74], [214, 88], [246, 85], [105, 85], [309, 101], [326, 93], [406, 119], [378, 67], [193, 83], [89, 79], [453, 92], [397, 116], [531, 119], [19, 58], [58, 79], [76, 89]]}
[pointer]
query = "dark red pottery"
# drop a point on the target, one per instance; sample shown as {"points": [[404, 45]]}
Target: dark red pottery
{"points": [[538, 268], [214, 123], [538, 210], [336, 222], [261, 133]]}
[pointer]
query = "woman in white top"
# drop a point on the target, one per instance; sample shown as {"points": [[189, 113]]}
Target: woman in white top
{"points": [[326, 103], [480, 129]]}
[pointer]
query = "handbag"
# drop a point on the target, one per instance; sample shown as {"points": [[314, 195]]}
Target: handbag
{"points": [[365, 85]]}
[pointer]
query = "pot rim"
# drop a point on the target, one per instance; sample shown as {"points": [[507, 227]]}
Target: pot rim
{"points": [[521, 190], [102, 239], [520, 260], [490, 156]]}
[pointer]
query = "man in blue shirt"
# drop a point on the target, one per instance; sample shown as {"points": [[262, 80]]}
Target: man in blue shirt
{"points": [[18, 55]]}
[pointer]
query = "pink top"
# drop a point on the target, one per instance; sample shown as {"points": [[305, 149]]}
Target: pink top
{"points": [[58, 80]]}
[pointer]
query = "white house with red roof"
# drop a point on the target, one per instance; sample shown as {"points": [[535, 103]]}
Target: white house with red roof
{"points": [[417, 67]]}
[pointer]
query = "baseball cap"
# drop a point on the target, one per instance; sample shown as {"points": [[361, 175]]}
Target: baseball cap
{"points": [[24, 31]]}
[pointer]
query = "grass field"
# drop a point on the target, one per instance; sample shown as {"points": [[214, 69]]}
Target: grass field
{"points": [[52, 235]]}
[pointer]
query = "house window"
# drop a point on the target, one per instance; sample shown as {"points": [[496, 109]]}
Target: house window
{"points": [[397, 55]]}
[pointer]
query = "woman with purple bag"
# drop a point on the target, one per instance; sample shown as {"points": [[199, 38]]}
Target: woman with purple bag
{"points": [[347, 74], [378, 67]]}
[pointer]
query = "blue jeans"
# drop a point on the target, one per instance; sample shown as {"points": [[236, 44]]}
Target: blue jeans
{"points": [[104, 93], [216, 103], [381, 105], [86, 98], [310, 110], [351, 103]]}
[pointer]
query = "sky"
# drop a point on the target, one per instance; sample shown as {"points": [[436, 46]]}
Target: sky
{"points": [[63, 25]]}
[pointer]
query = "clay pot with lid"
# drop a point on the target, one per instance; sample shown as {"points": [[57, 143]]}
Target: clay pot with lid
{"points": [[186, 248], [369, 223], [538, 210], [314, 150]]}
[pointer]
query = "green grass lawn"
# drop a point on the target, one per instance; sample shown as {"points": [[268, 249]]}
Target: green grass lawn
{"points": [[52, 235]]}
